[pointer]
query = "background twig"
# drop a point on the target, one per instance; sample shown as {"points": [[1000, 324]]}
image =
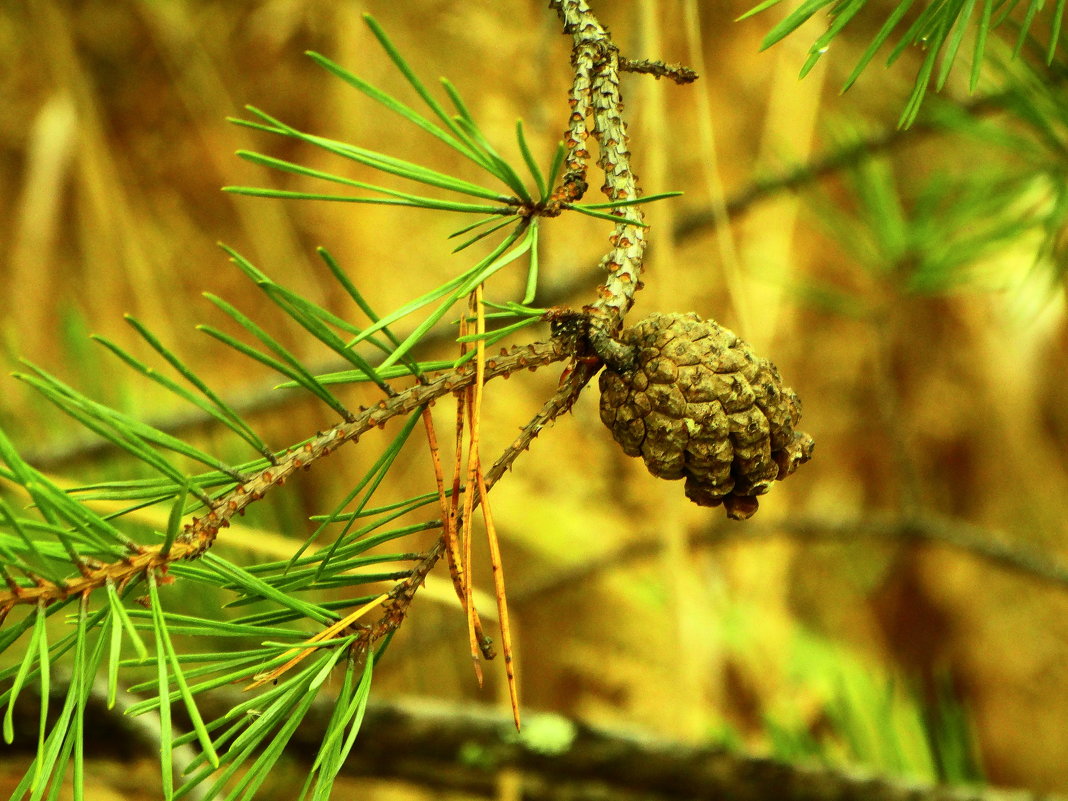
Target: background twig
{"points": [[433, 744]]}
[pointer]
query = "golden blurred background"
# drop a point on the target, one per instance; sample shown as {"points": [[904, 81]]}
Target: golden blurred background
{"points": [[939, 417]]}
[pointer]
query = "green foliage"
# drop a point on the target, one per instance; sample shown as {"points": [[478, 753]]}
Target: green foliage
{"points": [[838, 709], [939, 29], [936, 241], [944, 227]]}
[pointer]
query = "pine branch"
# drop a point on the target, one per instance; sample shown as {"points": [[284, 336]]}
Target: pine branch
{"points": [[937, 29], [198, 535], [258, 398], [423, 742], [595, 93]]}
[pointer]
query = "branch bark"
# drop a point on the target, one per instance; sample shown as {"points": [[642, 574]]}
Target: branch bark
{"points": [[923, 529], [198, 535], [449, 747], [595, 93]]}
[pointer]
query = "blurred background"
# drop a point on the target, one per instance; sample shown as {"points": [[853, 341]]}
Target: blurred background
{"points": [[900, 587]]}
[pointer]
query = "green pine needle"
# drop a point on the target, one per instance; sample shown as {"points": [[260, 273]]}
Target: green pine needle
{"points": [[939, 30]]}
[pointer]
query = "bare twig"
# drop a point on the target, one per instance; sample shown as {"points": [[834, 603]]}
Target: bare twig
{"points": [[922, 529], [658, 69], [424, 741]]}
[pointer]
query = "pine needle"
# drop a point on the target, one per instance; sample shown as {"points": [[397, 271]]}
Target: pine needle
{"points": [[448, 529], [497, 566], [465, 401], [308, 646]]}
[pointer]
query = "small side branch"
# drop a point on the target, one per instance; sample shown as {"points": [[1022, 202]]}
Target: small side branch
{"points": [[658, 69], [199, 535]]}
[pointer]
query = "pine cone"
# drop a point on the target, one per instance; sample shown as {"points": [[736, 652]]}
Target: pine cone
{"points": [[697, 403]]}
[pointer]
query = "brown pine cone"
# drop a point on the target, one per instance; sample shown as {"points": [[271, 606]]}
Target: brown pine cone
{"points": [[697, 403]]}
